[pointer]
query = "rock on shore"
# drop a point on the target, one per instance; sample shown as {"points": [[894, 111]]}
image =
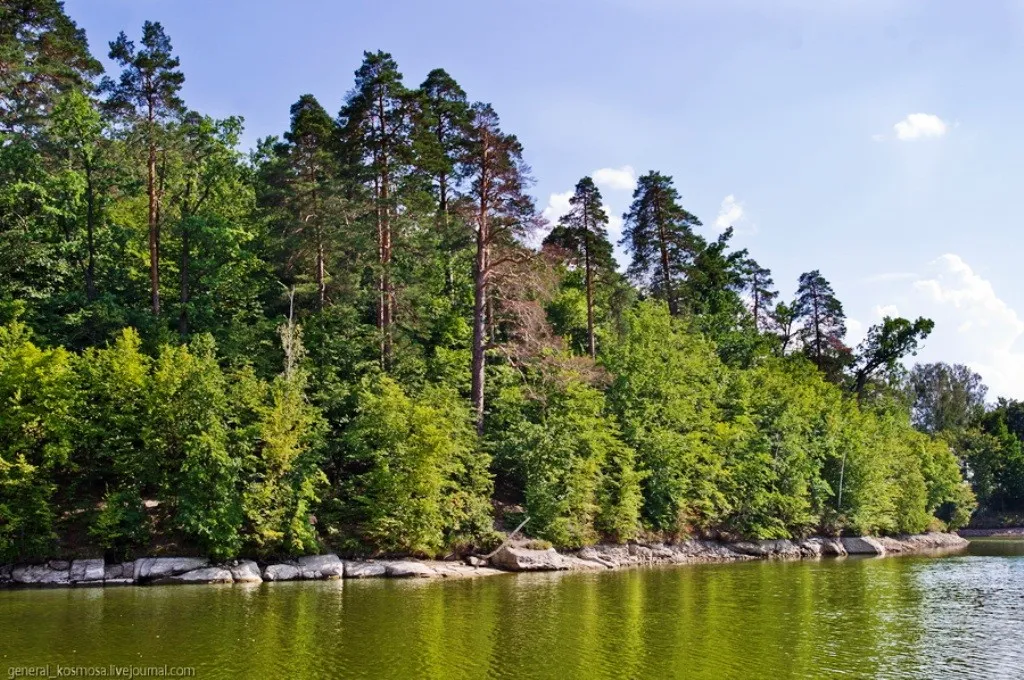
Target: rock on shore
{"points": [[510, 558], [519, 559]]}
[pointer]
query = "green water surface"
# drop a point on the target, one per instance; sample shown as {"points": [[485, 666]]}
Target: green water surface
{"points": [[901, 617]]}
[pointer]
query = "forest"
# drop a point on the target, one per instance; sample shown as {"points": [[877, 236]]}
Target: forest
{"points": [[362, 336]]}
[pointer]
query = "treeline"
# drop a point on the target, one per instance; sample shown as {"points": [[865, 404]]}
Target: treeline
{"points": [[344, 340]]}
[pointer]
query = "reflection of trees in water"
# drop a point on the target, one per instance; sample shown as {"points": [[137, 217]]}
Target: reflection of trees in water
{"points": [[890, 618]]}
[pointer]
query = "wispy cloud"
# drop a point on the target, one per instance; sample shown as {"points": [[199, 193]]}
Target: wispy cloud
{"points": [[920, 126], [615, 179], [973, 325], [731, 213]]}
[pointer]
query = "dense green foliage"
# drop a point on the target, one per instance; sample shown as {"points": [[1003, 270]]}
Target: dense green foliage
{"points": [[342, 340]]}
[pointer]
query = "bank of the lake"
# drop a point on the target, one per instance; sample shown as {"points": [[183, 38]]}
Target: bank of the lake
{"points": [[508, 558], [918, 616]]}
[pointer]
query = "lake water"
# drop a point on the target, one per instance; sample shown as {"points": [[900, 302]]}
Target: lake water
{"points": [[899, 617]]}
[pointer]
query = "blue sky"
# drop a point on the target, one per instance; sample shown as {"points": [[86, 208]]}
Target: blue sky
{"points": [[875, 140]]}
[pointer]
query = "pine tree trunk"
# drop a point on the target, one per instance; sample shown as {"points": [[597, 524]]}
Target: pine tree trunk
{"points": [[154, 238], [185, 262], [479, 328], [480, 272], [321, 269], [666, 272], [321, 250], [90, 235], [817, 334], [591, 345], [387, 313]]}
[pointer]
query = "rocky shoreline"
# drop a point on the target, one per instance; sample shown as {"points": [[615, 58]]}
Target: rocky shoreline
{"points": [[509, 558]]}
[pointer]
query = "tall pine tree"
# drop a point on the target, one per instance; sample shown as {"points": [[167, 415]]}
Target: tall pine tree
{"points": [[146, 95], [659, 234], [583, 233], [500, 211], [442, 124], [376, 132], [823, 323], [312, 167], [43, 55]]}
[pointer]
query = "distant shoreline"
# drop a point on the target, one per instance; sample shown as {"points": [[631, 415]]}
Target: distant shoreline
{"points": [[1002, 532]]}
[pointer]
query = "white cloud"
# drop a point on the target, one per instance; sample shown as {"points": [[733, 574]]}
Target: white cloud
{"points": [[854, 332], [558, 205], [729, 214], [973, 325], [882, 311], [732, 214], [615, 179], [920, 126], [614, 224]]}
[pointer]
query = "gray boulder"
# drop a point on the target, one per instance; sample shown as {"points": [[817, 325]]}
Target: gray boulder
{"points": [[40, 575], [321, 566], [820, 546], [281, 572], [522, 559], [862, 545], [640, 553], [768, 548], [119, 574], [700, 551], [409, 570], [5, 573], [87, 571], [152, 568], [201, 575], [595, 555], [246, 571], [365, 569]]}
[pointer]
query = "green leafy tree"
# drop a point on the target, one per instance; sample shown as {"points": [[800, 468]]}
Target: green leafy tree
{"points": [[423, 488], [666, 393], [77, 131], [577, 475], [38, 401], [947, 397], [885, 345], [187, 432], [282, 464]]}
